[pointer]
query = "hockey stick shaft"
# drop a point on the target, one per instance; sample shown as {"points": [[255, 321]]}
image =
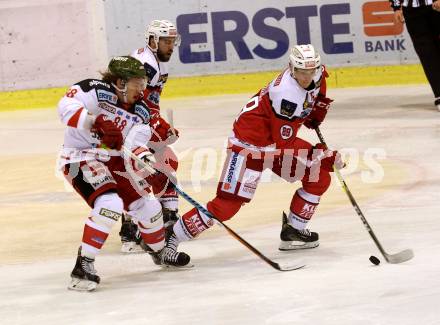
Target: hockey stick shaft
{"points": [[202, 209], [405, 255]]}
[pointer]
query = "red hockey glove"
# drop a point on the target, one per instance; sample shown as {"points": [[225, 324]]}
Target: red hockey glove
{"points": [[108, 132], [327, 158], [157, 180], [318, 113], [162, 131]]}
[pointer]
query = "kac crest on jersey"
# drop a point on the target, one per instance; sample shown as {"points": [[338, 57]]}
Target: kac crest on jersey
{"points": [[154, 97], [150, 70], [287, 108]]}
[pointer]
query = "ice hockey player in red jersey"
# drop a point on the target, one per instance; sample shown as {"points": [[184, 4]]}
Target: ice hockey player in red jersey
{"points": [[265, 137], [161, 37], [102, 118]]}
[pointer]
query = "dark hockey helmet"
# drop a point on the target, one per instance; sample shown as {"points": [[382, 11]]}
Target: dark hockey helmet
{"points": [[126, 67]]}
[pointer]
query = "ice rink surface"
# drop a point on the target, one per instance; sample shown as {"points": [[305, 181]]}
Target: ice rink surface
{"points": [[42, 222]]}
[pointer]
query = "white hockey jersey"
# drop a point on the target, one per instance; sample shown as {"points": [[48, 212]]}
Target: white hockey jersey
{"points": [[157, 73], [96, 97], [272, 118]]}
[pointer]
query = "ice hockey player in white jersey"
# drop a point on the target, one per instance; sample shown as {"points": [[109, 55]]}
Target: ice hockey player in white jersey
{"points": [[161, 38], [265, 137], [101, 117]]}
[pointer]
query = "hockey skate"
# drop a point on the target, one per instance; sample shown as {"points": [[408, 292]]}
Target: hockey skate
{"points": [[170, 217], [130, 237], [169, 257], [293, 239], [84, 276]]}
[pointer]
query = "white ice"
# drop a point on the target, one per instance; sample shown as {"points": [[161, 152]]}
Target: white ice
{"points": [[229, 285]]}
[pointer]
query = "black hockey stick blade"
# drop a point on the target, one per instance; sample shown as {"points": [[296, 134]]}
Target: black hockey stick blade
{"points": [[288, 266], [400, 257]]}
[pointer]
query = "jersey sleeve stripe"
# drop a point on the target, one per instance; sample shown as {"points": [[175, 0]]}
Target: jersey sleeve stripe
{"points": [[75, 119]]}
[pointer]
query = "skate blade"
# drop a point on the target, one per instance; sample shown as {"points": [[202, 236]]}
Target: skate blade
{"points": [[296, 245], [173, 267], [131, 248], [82, 285]]}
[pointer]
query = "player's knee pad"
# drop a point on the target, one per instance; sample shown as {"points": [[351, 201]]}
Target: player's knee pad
{"points": [[320, 186], [147, 212], [107, 209], [224, 208]]}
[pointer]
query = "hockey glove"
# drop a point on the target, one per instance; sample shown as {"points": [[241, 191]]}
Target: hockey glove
{"points": [[327, 158], [162, 132], [318, 113], [111, 137]]}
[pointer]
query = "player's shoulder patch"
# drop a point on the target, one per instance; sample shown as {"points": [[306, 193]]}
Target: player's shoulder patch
{"points": [[90, 84], [287, 108], [141, 50], [150, 70], [141, 109]]}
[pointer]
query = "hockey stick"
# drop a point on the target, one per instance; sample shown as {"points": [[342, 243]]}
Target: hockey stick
{"points": [[400, 257], [199, 207]]}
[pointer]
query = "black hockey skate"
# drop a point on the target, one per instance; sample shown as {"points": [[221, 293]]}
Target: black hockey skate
{"points": [[84, 276], [292, 239], [130, 237], [169, 256], [170, 217]]}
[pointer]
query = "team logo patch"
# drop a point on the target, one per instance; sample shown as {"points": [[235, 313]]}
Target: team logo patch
{"points": [[307, 106], [150, 71], [286, 131], [104, 95], [154, 97], [287, 108], [109, 214], [142, 112]]}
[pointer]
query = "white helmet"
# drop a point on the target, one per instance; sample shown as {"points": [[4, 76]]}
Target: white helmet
{"points": [[161, 28], [304, 57]]}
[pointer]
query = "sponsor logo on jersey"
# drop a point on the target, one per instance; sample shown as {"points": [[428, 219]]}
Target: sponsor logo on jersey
{"points": [[307, 211], [101, 181], [286, 131], [142, 112], [287, 108], [98, 82], [107, 96], [107, 107], [230, 180], [109, 214], [195, 224], [98, 240]]}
